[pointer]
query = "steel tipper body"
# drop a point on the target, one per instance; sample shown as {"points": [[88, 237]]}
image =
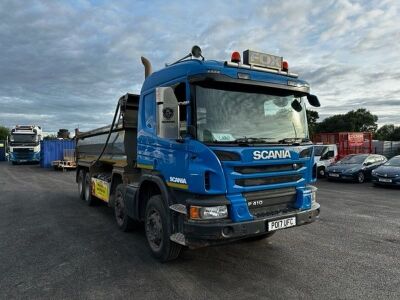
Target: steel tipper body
{"points": [[222, 154], [24, 144]]}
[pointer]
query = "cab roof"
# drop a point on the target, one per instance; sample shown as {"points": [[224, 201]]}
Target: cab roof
{"points": [[193, 67]]}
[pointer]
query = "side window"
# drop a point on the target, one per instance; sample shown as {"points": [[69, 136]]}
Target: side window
{"points": [[370, 160], [180, 94], [149, 111]]}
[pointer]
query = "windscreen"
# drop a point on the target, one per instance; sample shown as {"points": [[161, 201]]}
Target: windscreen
{"points": [[353, 159], [395, 162], [226, 114], [23, 138], [319, 150]]}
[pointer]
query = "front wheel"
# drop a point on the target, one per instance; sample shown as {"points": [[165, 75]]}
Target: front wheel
{"points": [[321, 172], [360, 177], [157, 228]]}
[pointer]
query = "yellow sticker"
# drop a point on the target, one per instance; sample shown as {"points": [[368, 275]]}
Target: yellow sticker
{"points": [[101, 189]]}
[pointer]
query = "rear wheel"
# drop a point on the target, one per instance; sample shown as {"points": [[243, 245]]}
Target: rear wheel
{"points": [[157, 228], [90, 200], [124, 222], [81, 184], [360, 177]]}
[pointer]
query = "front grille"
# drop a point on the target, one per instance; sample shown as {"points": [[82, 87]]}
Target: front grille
{"points": [[267, 180], [22, 150], [270, 202], [23, 153], [266, 169]]}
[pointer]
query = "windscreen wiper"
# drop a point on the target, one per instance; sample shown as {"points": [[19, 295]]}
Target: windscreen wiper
{"points": [[293, 140], [252, 140]]}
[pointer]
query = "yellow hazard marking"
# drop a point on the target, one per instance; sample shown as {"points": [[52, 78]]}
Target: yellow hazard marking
{"points": [[178, 185], [144, 166], [101, 189]]}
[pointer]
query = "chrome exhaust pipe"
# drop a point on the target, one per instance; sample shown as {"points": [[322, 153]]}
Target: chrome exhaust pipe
{"points": [[147, 66]]}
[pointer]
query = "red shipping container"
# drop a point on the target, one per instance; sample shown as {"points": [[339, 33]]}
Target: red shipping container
{"points": [[347, 142]]}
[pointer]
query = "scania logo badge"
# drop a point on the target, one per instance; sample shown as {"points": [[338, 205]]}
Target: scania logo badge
{"points": [[168, 113]]}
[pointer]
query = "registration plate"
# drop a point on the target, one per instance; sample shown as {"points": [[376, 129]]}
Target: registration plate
{"points": [[282, 223], [333, 175], [385, 180]]}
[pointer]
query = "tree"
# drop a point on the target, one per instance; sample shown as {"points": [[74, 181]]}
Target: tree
{"points": [[385, 132], [4, 132], [362, 120], [50, 137], [312, 117], [396, 134], [356, 120]]}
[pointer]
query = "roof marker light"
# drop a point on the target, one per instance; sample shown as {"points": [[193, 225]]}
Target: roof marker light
{"points": [[285, 66], [235, 57]]}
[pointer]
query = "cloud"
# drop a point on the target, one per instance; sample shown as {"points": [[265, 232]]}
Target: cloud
{"points": [[64, 64]]}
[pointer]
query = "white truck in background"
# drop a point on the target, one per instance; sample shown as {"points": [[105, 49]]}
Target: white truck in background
{"points": [[324, 156], [24, 144]]}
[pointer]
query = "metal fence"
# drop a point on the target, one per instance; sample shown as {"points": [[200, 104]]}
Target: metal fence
{"points": [[386, 148]]}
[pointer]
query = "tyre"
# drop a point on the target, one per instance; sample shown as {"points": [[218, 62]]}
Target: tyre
{"points": [[260, 237], [124, 222], [360, 177], [321, 172], [81, 184], [90, 200], [158, 230]]}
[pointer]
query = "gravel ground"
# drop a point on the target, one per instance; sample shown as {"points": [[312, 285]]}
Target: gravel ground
{"points": [[53, 246]]}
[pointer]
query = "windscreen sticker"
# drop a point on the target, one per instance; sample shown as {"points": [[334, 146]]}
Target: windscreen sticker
{"points": [[223, 137]]}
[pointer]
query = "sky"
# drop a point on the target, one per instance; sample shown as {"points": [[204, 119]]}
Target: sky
{"points": [[64, 64]]}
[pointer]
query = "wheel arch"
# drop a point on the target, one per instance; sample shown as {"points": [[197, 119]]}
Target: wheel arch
{"points": [[150, 185], [116, 179]]}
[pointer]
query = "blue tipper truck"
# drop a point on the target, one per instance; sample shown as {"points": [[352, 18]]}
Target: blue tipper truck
{"points": [[210, 152]]}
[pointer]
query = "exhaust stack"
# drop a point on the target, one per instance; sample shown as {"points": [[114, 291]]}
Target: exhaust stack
{"points": [[147, 67]]}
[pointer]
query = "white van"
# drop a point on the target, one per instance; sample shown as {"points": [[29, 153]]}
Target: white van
{"points": [[324, 156]]}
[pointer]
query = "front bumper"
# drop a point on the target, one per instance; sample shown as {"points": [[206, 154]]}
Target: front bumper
{"points": [[341, 176], [386, 181], [199, 234]]}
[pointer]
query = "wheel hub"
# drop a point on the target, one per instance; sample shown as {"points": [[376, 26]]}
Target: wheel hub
{"points": [[154, 230]]}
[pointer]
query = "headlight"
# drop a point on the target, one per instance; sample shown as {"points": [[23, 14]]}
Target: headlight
{"points": [[208, 212]]}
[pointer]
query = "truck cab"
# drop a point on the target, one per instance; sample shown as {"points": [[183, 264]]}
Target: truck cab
{"points": [[24, 144], [221, 153]]}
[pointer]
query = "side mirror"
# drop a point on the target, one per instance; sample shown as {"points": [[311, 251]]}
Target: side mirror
{"points": [[296, 105], [167, 113], [368, 163], [313, 100]]}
